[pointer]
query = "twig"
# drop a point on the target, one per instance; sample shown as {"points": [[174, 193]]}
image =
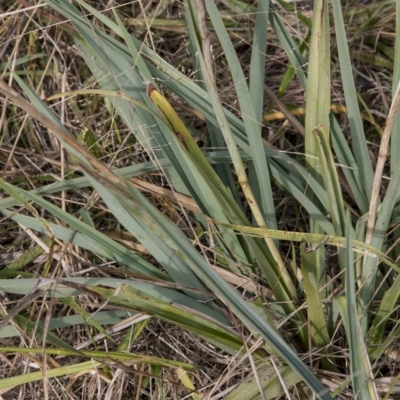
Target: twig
{"points": [[383, 154]]}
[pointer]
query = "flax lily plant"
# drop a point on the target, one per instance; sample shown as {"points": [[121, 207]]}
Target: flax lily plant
{"points": [[227, 196]]}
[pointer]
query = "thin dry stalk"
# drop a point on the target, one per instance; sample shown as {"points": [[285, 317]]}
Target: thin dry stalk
{"points": [[383, 154]]}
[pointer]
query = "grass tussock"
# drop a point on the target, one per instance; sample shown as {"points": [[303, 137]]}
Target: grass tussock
{"points": [[199, 199]]}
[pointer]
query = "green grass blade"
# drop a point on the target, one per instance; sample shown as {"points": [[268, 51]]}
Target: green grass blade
{"points": [[348, 164], [90, 238], [331, 180], [315, 307], [32, 328], [316, 238], [289, 45], [379, 234], [356, 125], [107, 357], [369, 269], [102, 317], [258, 57], [395, 138], [251, 122], [318, 86], [138, 299], [84, 367], [163, 294], [317, 111], [138, 61], [387, 307], [214, 134], [271, 383], [77, 368], [395, 145], [360, 367]]}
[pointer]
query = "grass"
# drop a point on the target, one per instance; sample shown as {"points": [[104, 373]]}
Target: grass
{"points": [[199, 200]]}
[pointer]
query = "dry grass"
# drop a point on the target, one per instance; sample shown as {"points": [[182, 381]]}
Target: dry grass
{"points": [[30, 157]]}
